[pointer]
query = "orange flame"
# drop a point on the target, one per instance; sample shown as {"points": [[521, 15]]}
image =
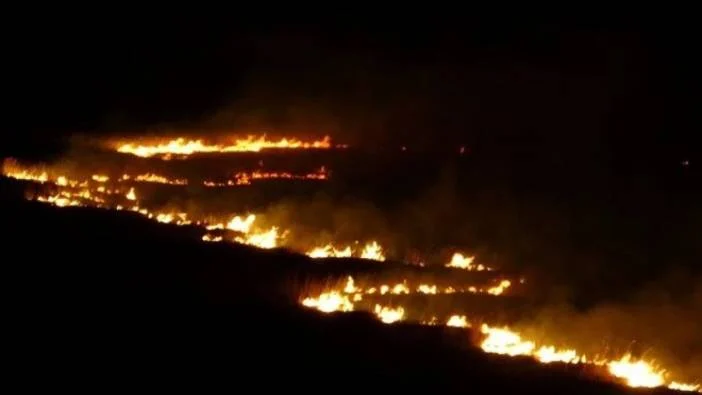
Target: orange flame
{"points": [[181, 146]]}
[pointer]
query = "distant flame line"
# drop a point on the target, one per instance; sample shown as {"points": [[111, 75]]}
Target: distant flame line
{"points": [[182, 146]]}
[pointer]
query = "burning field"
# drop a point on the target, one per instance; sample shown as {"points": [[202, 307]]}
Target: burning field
{"points": [[278, 194]]}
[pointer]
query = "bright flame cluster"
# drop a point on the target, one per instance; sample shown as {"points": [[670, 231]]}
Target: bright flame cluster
{"points": [[371, 250], [459, 261]]}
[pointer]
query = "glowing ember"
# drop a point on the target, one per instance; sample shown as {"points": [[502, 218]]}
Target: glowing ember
{"points": [[183, 147]]}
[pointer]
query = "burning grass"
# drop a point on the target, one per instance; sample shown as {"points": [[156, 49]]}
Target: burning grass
{"points": [[391, 300]]}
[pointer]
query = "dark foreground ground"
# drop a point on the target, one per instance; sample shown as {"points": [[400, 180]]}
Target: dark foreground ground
{"points": [[101, 300]]}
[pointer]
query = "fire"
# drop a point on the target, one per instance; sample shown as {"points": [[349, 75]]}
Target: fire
{"points": [[500, 288], [208, 237], [158, 179], [261, 238], [458, 321], [266, 240], [181, 146], [503, 341], [371, 251], [636, 373], [329, 251], [329, 302], [674, 385], [94, 191], [246, 178], [400, 288], [465, 262], [131, 195], [236, 224], [10, 168], [388, 315], [548, 354], [113, 191]]}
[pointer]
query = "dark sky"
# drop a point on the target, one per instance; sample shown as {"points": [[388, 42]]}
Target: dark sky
{"points": [[581, 88]]}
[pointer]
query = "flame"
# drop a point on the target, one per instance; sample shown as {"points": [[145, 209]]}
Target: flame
{"points": [[329, 251], [329, 302], [674, 385], [548, 354], [636, 373], [403, 288], [208, 237], [503, 341], [246, 178], [465, 262], [427, 289], [500, 288], [11, 168], [83, 193], [131, 195], [372, 251], [98, 192], [158, 179], [388, 315], [266, 240], [181, 146], [458, 321]]}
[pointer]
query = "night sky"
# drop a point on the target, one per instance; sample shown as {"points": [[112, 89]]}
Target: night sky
{"points": [[573, 90]]}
